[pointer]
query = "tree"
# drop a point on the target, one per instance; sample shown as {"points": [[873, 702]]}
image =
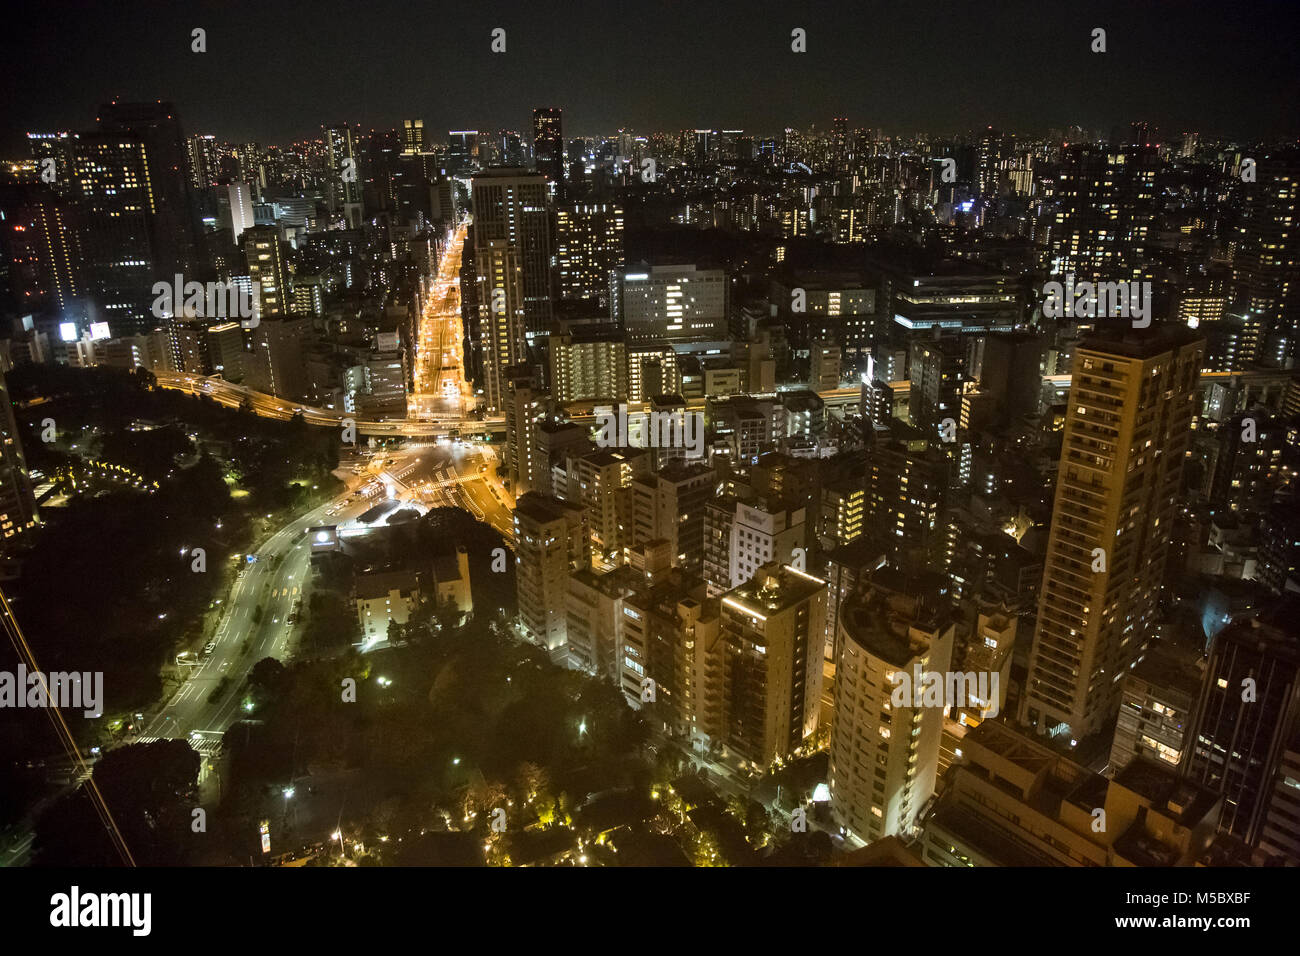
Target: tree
{"points": [[396, 631], [448, 615], [266, 675], [148, 789], [482, 795]]}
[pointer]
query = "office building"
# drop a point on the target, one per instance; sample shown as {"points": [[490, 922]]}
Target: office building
{"points": [[241, 208], [412, 137], [548, 144], [672, 303], [41, 250], [343, 178], [588, 249]]}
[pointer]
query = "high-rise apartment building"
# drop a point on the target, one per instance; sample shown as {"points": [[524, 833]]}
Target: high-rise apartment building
{"points": [[884, 758], [589, 363], [525, 406], [669, 505], [772, 629], [594, 619], [763, 532], [1127, 430], [1105, 205], [1155, 711], [266, 266], [908, 485], [1247, 713], [550, 544], [599, 482], [670, 633], [552, 442]]}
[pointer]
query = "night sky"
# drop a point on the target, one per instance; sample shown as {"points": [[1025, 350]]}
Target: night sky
{"points": [[275, 71]]}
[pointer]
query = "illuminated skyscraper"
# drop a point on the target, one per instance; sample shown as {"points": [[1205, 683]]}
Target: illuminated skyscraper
{"points": [[241, 208], [204, 165], [588, 247], [1266, 263], [118, 203], [1127, 430], [266, 266], [462, 151], [512, 256], [343, 178], [548, 144], [412, 137], [132, 188], [41, 250], [1105, 203]]}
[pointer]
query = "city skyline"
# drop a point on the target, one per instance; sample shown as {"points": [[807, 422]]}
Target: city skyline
{"points": [[1174, 70]]}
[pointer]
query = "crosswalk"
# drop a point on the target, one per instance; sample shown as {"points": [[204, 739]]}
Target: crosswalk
{"points": [[208, 744]]}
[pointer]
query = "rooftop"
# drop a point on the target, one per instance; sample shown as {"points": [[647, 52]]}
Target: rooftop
{"points": [[773, 589]]}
